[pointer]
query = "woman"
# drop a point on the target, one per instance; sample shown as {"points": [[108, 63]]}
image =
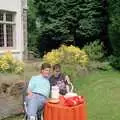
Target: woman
{"points": [[38, 92], [59, 79]]}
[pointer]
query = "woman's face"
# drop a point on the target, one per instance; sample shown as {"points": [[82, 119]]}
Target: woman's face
{"points": [[57, 72], [46, 72]]}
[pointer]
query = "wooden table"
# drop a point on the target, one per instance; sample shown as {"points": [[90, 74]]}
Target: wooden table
{"points": [[61, 112]]}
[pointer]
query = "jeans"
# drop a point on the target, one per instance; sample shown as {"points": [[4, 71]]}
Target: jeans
{"points": [[35, 104]]}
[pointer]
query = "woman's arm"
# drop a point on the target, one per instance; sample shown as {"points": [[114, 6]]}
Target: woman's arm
{"points": [[30, 87], [69, 84]]}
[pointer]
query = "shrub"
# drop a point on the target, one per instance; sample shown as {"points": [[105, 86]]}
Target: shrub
{"points": [[94, 50], [67, 54], [115, 61], [9, 64], [53, 57], [97, 65]]}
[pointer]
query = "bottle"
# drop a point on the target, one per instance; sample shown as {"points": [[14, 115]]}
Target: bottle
{"points": [[55, 92]]}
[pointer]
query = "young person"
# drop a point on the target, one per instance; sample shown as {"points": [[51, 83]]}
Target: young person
{"points": [[38, 92]]}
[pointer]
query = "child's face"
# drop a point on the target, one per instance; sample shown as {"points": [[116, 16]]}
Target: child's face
{"points": [[46, 72]]}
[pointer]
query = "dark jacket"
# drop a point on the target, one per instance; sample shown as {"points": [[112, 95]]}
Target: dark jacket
{"points": [[60, 82]]}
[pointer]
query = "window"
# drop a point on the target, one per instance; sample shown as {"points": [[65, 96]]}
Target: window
{"points": [[7, 29]]}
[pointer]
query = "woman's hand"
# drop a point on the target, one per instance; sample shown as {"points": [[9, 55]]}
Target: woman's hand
{"points": [[29, 93]]}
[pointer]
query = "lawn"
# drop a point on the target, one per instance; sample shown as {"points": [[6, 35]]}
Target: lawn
{"points": [[101, 91]]}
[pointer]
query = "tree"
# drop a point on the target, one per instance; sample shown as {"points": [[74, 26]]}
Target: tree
{"points": [[114, 25], [63, 20], [32, 29]]}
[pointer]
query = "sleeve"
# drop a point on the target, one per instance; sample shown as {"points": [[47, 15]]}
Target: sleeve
{"points": [[31, 84]]}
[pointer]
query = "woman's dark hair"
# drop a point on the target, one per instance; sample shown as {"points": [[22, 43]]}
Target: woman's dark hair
{"points": [[45, 65], [56, 66]]}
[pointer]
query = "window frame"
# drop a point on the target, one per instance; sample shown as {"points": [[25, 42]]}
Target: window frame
{"points": [[5, 23]]}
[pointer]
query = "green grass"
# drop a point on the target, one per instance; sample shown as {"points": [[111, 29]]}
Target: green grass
{"points": [[101, 90]]}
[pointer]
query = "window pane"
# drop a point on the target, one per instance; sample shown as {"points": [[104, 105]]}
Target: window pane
{"points": [[1, 15], [9, 16], [1, 36], [9, 32]]}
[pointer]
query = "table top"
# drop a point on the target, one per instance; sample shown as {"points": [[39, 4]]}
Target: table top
{"points": [[62, 106]]}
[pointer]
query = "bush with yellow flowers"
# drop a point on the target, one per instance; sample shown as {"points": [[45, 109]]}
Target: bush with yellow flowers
{"points": [[9, 64], [53, 57], [68, 55]]}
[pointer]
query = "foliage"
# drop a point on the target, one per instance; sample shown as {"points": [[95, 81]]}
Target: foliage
{"points": [[9, 64], [52, 23], [32, 27], [60, 21], [68, 55], [53, 57], [114, 26], [97, 65], [94, 50], [115, 61]]}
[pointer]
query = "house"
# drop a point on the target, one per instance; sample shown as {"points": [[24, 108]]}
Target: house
{"points": [[13, 27]]}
